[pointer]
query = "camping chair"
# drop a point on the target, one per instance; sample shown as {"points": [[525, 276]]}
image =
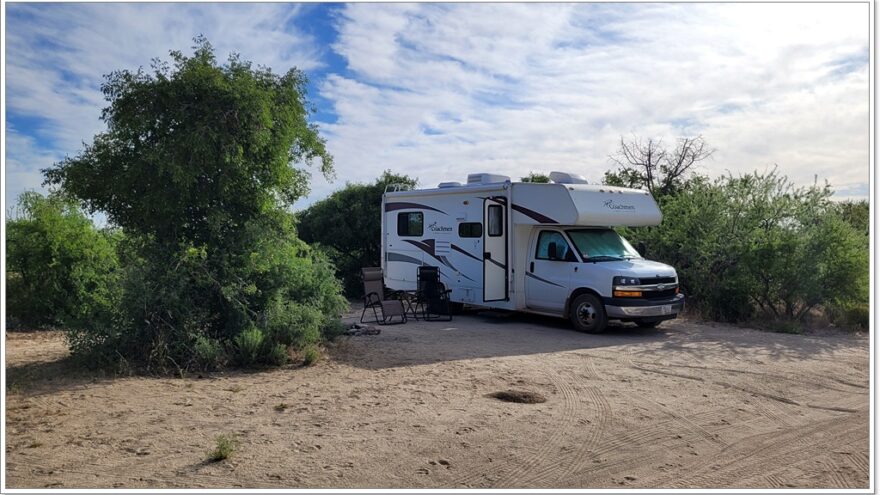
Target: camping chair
{"points": [[374, 299], [433, 296]]}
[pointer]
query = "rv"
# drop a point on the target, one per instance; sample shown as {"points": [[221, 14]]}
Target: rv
{"points": [[540, 248]]}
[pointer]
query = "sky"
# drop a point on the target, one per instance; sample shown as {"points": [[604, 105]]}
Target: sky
{"points": [[438, 91]]}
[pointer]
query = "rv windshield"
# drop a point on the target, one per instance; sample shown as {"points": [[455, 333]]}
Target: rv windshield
{"points": [[602, 245]]}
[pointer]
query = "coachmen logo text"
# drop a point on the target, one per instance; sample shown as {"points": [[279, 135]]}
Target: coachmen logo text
{"points": [[439, 228], [617, 206]]}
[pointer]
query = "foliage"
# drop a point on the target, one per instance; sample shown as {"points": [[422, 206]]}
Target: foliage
{"points": [[198, 166], [59, 267], [652, 166], [536, 177], [311, 355], [855, 213], [348, 225], [192, 152], [223, 449], [755, 243]]}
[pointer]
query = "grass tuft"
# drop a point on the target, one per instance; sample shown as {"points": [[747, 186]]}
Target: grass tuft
{"points": [[311, 355], [224, 448]]}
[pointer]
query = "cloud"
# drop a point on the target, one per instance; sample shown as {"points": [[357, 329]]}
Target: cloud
{"points": [[24, 159], [438, 91], [58, 53], [442, 90]]}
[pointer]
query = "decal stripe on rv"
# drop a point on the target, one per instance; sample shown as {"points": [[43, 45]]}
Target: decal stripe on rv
{"points": [[405, 206], [534, 215], [462, 251], [392, 256], [541, 279]]}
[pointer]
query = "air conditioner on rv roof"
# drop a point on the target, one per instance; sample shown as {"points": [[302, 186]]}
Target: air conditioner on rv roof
{"points": [[487, 178], [567, 178]]}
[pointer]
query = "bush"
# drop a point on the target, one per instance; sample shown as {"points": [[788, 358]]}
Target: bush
{"points": [[199, 165], [755, 244], [59, 267], [225, 446], [311, 355], [347, 227], [249, 346], [209, 353]]}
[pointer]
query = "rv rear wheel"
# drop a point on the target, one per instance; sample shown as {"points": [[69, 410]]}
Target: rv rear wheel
{"points": [[587, 314]]}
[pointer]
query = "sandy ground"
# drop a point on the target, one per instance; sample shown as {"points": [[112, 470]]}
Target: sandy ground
{"points": [[685, 405]]}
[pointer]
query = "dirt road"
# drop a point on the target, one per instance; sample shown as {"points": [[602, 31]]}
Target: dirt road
{"points": [[686, 405]]}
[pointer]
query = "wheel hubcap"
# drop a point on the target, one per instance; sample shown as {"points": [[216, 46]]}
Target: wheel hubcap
{"points": [[587, 314]]}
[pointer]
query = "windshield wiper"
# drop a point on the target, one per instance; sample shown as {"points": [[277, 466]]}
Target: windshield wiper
{"points": [[603, 258]]}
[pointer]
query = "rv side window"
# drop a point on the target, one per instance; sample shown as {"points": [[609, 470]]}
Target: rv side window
{"points": [[470, 229], [410, 224], [563, 253], [495, 221]]}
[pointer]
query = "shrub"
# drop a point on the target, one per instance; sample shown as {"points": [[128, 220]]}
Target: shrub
{"points": [[755, 244], [311, 355], [59, 267], [249, 346], [209, 353], [223, 449]]}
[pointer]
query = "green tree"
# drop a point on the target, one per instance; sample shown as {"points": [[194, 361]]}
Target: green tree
{"points": [[59, 267], [348, 225], [198, 165], [855, 213], [536, 177]]}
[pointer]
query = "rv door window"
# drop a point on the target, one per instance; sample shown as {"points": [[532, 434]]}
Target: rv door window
{"points": [[563, 252], [410, 224], [470, 229], [496, 220]]}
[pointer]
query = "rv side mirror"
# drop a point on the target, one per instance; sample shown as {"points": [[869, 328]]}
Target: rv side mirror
{"points": [[641, 249], [551, 250]]}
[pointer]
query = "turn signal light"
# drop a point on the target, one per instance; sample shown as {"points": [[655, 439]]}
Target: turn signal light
{"points": [[676, 290], [627, 293]]}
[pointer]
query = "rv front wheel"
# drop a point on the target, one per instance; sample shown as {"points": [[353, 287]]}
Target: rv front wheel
{"points": [[587, 314]]}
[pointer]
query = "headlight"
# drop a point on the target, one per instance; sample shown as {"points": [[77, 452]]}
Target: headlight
{"points": [[626, 281], [621, 282]]}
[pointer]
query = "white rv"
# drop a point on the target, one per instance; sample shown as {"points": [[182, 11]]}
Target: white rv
{"points": [[539, 248]]}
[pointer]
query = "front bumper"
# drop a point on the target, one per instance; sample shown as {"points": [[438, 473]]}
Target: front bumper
{"points": [[619, 307]]}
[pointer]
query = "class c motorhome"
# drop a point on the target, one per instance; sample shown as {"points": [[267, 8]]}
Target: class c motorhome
{"points": [[533, 247]]}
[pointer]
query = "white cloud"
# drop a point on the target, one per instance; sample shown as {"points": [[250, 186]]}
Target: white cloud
{"points": [[441, 90], [24, 159], [437, 91], [57, 55]]}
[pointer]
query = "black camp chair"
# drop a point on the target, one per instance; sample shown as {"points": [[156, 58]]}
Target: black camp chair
{"points": [[432, 296]]}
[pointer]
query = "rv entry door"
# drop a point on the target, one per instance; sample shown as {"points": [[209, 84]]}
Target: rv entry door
{"points": [[494, 250]]}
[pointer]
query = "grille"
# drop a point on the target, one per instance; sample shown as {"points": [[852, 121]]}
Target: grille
{"points": [[657, 280], [658, 294]]}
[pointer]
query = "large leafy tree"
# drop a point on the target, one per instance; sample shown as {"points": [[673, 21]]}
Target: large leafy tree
{"points": [[198, 165], [348, 224], [194, 149]]}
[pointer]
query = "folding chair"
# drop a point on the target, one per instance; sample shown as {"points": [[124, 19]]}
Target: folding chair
{"points": [[374, 299], [433, 295]]}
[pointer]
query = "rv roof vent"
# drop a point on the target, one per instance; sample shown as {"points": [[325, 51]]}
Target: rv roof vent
{"points": [[487, 178], [449, 184], [567, 178]]}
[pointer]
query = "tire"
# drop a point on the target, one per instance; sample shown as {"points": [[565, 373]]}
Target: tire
{"points": [[647, 324], [587, 314], [456, 308]]}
